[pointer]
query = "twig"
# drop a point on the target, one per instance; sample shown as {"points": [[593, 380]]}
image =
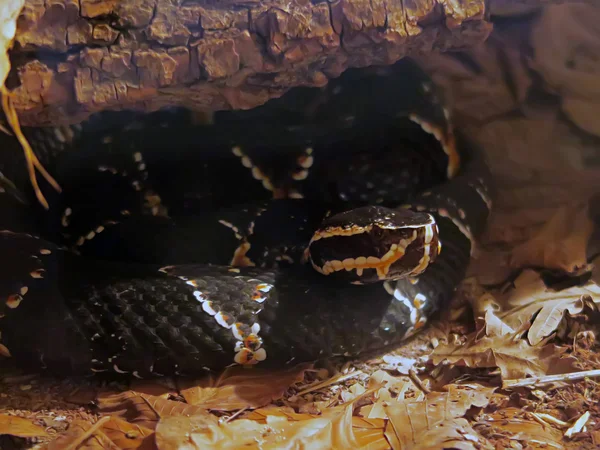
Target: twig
{"points": [[550, 379], [551, 419], [539, 420], [150, 406], [415, 379], [88, 433], [233, 416], [329, 382], [359, 397], [108, 440]]}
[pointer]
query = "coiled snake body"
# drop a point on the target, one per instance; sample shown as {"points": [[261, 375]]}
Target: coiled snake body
{"points": [[177, 247]]}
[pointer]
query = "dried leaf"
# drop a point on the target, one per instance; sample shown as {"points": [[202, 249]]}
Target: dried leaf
{"points": [[397, 385], [352, 392], [143, 410], [128, 436], [81, 431], [204, 432], [434, 422], [370, 433], [399, 363], [518, 427], [513, 356], [531, 297], [485, 309], [454, 434], [561, 244], [238, 388], [17, 426]]}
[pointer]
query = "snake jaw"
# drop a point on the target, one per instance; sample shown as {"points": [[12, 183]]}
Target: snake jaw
{"points": [[392, 244]]}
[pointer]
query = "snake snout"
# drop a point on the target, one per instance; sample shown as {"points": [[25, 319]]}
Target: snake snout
{"points": [[373, 243]]}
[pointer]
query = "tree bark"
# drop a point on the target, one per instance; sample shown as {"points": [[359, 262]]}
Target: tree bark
{"points": [[72, 58]]}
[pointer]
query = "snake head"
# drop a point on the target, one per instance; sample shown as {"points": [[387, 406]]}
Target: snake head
{"points": [[373, 243]]}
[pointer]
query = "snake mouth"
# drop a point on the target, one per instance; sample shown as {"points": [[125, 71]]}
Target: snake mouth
{"points": [[381, 265], [393, 245]]}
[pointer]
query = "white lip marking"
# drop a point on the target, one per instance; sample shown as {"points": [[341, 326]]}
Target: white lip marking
{"points": [[428, 233]]}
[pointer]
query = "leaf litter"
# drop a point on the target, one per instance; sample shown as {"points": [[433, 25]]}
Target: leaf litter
{"points": [[514, 363]]}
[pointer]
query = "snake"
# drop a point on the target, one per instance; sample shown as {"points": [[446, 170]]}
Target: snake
{"points": [[330, 222]]}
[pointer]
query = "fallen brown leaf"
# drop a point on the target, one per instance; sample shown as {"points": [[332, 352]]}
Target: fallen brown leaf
{"points": [[238, 388], [435, 422], [454, 434], [485, 309], [561, 244], [81, 436], [333, 430], [141, 409], [370, 433], [396, 385], [128, 436], [17, 426], [519, 426], [513, 356], [531, 300]]}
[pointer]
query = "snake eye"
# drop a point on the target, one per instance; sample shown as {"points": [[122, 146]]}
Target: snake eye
{"points": [[374, 243]]}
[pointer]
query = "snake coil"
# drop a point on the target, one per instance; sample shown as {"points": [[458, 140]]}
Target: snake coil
{"points": [[177, 247]]}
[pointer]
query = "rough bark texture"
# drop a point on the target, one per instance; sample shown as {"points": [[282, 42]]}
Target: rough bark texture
{"points": [[75, 57]]}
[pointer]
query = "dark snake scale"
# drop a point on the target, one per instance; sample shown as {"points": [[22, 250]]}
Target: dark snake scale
{"points": [[178, 246]]}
